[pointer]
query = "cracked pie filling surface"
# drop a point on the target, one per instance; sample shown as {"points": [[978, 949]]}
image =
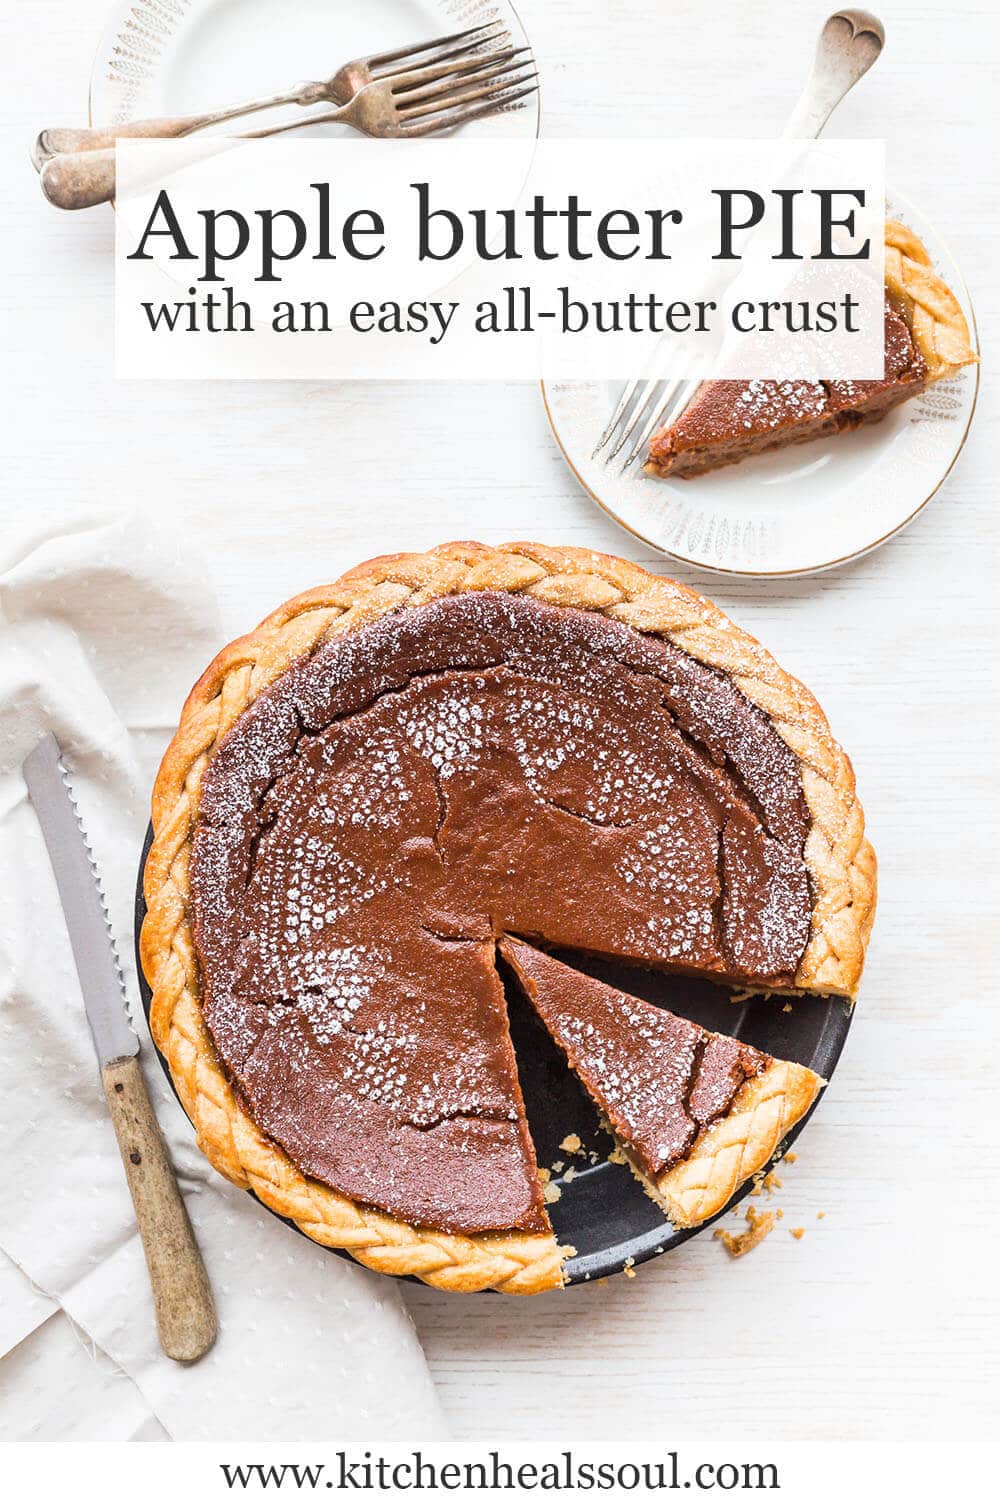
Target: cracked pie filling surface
{"points": [[476, 766]]}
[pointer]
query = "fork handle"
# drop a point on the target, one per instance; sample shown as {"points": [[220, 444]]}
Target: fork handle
{"points": [[850, 41], [344, 114], [83, 179], [60, 141], [79, 179]]}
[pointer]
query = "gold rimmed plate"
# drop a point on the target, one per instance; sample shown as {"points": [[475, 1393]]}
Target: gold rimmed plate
{"points": [[802, 509], [191, 55]]}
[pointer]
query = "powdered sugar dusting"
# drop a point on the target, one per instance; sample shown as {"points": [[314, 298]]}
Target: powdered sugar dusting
{"points": [[659, 1079], [767, 404], [480, 764]]}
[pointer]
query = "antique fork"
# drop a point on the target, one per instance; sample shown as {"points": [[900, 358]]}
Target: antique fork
{"points": [[849, 43], [345, 83], [400, 106]]}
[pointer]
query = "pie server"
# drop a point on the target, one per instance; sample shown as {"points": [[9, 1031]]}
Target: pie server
{"points": [[182, 1297]]}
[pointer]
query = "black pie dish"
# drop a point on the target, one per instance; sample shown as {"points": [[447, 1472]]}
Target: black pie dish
{"points": [[602, 1210]]}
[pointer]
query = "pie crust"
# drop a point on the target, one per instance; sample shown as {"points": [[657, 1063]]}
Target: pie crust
{"points": [[931, 309], [728, 421], [840, 862], [695, 1113], [738, 1146]]}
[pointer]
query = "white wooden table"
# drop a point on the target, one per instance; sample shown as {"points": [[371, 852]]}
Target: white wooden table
{"points": [[884, 1319]]}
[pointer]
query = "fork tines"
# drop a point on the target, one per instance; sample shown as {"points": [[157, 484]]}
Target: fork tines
{"points": [[448, 94], [433, 89], [449, 112], [643, 407], [483, 62], [473, 37]]}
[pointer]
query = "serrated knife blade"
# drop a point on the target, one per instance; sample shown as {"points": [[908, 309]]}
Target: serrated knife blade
{"points": [[182, 1297], [83, 903]]}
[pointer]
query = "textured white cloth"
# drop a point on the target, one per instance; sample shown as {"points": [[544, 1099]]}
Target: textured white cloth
{"points": [[102, 630]]}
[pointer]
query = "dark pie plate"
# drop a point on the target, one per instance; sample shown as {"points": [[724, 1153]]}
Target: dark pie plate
{"points": [[601, 1209]]}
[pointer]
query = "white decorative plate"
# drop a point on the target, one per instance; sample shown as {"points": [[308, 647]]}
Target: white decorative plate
{"points": [[183, 56], [796, 511]]}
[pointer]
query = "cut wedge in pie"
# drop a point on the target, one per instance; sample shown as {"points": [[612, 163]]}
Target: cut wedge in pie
{"points": [[696, 1113], [726, 421], [394, 772]]}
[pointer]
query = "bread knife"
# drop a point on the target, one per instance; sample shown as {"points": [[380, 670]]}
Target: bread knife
{"points": [[182, 1297]]}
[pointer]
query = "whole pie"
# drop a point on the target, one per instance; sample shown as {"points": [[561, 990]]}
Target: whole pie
{"points": [[726, 421], [441, 752]]}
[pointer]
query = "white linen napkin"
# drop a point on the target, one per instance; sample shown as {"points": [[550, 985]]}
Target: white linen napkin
{"points": [[103, 628]]}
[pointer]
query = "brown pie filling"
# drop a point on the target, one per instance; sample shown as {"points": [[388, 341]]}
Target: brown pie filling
{"points": [[481, 765], [729, 420], [659, 1080]]}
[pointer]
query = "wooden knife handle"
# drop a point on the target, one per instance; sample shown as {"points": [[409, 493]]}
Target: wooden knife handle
{"points": [[182, 1297]]}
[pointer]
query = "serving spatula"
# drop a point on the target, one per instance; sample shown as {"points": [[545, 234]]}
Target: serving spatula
{"points": [[182, 1297]]}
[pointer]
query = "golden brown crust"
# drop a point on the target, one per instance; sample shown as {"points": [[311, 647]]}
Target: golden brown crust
{"points": [[932, 311], [841, 863], [737, 1146]]}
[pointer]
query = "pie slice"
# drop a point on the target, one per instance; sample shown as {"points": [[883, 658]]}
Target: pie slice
{"points": [[395, 770], [726, 421], [696, 1113]]}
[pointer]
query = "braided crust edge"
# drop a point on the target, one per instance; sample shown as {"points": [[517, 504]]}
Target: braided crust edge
{"points": [[840, 861], [930, 307], [737, 1146]]}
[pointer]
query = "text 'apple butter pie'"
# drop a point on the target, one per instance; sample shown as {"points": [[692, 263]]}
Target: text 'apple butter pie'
{"points": [[441, 753]]}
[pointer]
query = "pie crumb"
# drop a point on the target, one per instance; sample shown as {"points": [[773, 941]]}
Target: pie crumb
{"points": [[569, 1174], [544, 1174], [787, 1008], [790, 1157], [571, 1144], [551, 1192], [557, 1166], [796, 1234], [629, 1268], [768, 1182], [821, 1214], [759, 1226]]}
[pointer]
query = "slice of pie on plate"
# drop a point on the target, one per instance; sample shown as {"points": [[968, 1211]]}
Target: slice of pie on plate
{"points": [[726, 421], [696, 1113], [397, 769]]}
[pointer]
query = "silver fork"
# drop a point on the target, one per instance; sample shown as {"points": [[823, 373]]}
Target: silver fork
{"points": [[400, 106], [345, 83], [849, 43]]}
